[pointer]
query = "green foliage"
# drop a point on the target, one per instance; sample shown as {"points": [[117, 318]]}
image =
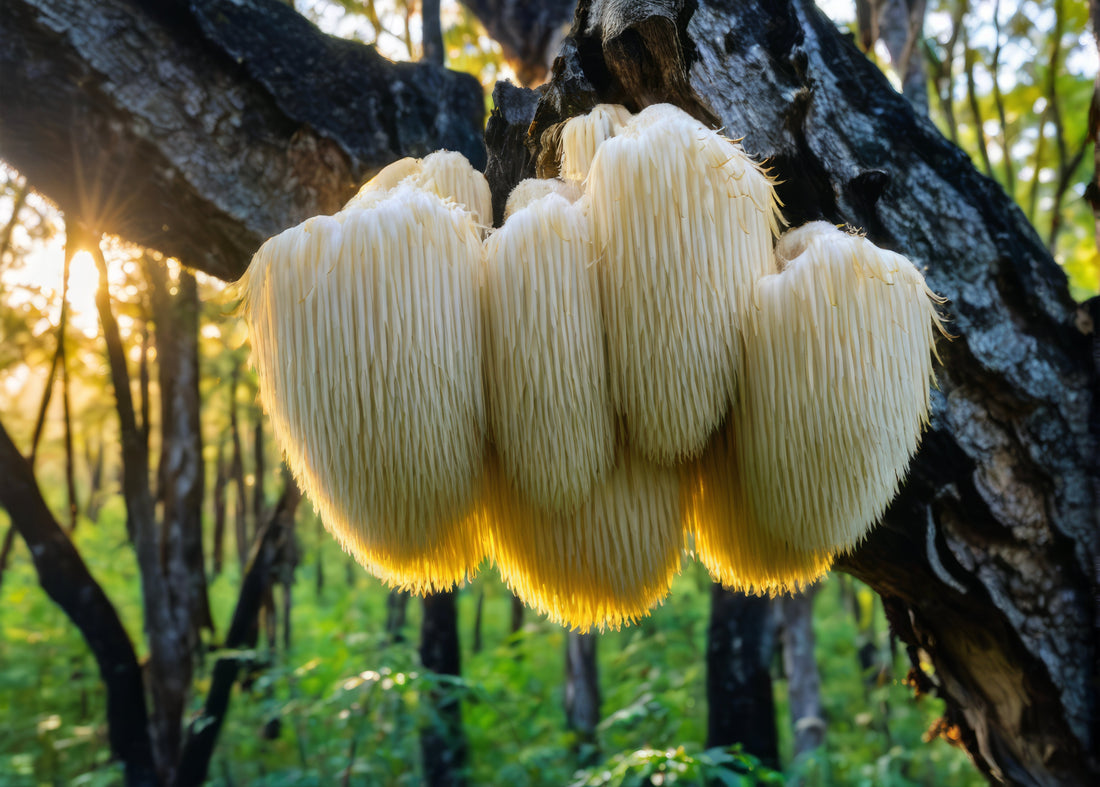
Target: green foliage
{"points": [[644, 767]]}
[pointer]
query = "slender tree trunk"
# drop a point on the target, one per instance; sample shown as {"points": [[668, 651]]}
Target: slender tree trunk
{"points": [[236, 474], [397, 605], [582, 694], [800, 667], [166, 620], [740, 644], [478, 614], [442, 740], [221, 474], [518, 609], [93, 457], [70, 461], [181, 470], [65, 578], [432, 32]]}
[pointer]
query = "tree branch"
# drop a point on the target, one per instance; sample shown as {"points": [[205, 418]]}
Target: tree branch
{"points": [[200, 128], [65, 578]]}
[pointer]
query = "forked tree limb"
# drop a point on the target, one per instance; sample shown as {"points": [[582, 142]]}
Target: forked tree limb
{"points": [[65, 578]]}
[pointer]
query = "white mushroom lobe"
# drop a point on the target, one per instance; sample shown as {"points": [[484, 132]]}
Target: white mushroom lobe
{"points": [[546, 372], [834, 395], [366, 337], [683, 222]]}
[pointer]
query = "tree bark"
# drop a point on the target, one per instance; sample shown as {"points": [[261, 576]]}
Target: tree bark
{"points": [[582, 694], [181, 469], [987, 560], [201, 127], [442, 740], [66, 580], [740, 644], [166, 626], [800, 667]]}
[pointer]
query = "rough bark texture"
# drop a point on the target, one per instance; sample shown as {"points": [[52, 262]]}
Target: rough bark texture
{"points": [[740, 644], [66, 580], [442, 740], [201, 128], [796, 615], [987, 561]]}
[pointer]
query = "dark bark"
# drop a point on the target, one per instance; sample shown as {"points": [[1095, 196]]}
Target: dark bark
{"points": [[243, 634], [65, 578], [899, 24], [221, 475], [200, 128], [986, 561], [528, 33], [479, 613], [397, 605], [582, 694], [442, 740], [431, 32], [166, 626], [259, 467], [516, 624], [67, 417], [181, 469], [93, 456], [740, 644], [236, 474], [800, 667]]}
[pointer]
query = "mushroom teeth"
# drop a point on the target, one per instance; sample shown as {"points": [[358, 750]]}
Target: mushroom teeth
{"points": [[582, 135], [545, 368], [740, 553], [833, 398], [366, 336], [531, 189], [605, 565], [683, 222]]}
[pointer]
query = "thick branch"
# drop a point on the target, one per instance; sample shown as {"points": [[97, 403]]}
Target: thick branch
{"points": [[201, 128]]}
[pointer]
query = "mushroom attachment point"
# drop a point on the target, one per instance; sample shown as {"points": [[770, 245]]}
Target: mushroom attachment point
{"points": [[834, 395], [366, 337]]}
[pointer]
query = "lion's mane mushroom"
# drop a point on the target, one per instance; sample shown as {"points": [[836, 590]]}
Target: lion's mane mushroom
{"points": [[550, 413], [581, 137], [366, 336], [834, 395], [603, 565], [444, 173], [683, 222]]}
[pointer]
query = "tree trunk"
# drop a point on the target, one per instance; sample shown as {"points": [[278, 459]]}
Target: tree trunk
{"points": [[397, 605], [800, 667], [66, 580], [236, 475], [582, 694], [181, 471], [987, 561], [166, 620], [221, 474], [740, 644], [442, 740]]}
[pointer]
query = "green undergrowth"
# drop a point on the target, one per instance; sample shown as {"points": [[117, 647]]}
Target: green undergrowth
{"points": [[343, 706]]}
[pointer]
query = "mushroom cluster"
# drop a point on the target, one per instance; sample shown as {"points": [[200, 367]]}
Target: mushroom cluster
{"points": [[629, 365]]}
